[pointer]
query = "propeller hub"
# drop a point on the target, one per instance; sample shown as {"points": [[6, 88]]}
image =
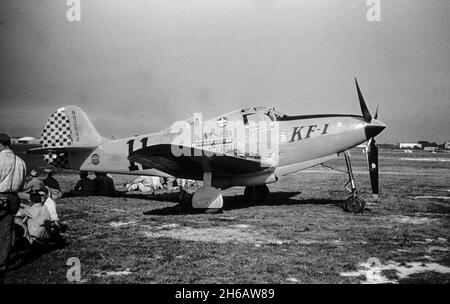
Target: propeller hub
{"points": [[373, 128]]}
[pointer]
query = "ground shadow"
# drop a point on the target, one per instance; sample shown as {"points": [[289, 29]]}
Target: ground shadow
{"points": [[161, 197], [158, 196], [275, 199], [23, 253], [179, 209], [239, 202]]}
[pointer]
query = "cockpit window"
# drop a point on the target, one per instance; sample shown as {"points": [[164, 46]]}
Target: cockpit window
{"points": [[255, 117], [274, 115], [260, 113]]}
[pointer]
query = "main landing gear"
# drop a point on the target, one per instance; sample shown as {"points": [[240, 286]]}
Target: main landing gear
{"points": [[256, 193], [354, 203]]}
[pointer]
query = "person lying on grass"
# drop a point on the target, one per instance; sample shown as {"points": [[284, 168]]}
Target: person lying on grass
{"points": [[143, 184]]}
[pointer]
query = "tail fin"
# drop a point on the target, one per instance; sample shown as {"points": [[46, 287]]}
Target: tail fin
{"points": [[68, 128]]}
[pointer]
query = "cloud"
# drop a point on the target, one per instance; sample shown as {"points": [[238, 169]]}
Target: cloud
{"points": [[140, 65]]}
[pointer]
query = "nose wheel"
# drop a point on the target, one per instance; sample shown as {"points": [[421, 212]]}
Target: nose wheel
{"points": [[354, 203]]}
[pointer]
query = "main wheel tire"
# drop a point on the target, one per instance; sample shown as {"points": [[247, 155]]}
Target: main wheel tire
{"points": [[355, 204], [261, 192], [184, 198], [249, 193], [256, 193]]}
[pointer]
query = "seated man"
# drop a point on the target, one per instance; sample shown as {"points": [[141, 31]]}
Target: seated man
{"points": [[104, 185], [39, 221], [34, 184], [52, 184], [111, 186], [84, 187]]}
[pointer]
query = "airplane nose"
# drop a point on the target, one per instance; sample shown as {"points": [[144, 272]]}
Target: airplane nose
{"points": [[374, 128]]}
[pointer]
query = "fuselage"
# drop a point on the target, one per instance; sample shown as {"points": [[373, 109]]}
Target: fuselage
{"points": [[290, 143]]}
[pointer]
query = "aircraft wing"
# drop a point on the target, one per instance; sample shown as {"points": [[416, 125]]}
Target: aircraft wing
{"points": [[194, 160]]}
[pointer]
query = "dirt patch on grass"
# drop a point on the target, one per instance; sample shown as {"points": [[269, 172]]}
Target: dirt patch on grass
{"points": [[414, 220], [432, 197], [113, 273], [428, 159], [374, 272], [122, 224], [241, 233]]}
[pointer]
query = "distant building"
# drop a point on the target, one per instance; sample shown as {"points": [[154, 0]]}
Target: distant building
{"points": [[410, 146], [388, 146], [27, 140], [430, 149], [447, 145]]}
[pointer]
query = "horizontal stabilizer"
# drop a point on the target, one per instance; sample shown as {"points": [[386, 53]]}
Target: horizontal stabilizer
{"points": [[60, 149]]}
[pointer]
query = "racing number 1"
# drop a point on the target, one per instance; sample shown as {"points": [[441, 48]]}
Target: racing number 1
{"points": [[132, 166], [130, 144]]}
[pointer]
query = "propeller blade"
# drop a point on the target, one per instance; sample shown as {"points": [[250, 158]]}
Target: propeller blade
{"points": [[372, 157], [376, 113], [362, 103]]}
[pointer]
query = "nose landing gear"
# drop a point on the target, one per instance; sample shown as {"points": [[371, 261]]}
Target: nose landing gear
{"points": [[354, 203]]}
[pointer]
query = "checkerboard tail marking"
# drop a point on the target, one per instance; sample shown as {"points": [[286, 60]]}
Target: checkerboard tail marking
{"points": [[57, 133]]}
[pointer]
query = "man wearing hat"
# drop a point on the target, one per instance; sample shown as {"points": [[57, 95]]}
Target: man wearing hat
{"points": [[12, 173], [33, 185]]}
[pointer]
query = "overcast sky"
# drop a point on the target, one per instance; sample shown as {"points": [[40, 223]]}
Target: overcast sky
{"points": [[136, 66]]}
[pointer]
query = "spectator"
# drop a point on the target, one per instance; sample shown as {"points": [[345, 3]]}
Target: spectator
{"points": [[40, 219], [111, 186], [12, 173], [104, 185], [144, 184], [52, 184], [34, 184], [84, 187]]}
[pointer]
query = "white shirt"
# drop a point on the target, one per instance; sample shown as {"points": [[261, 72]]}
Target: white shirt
{"points": [[38, 219], [10, 180], [50, 205], [146, 180]]}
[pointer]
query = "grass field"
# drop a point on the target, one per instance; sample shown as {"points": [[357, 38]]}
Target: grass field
{"points": [[300, 235]]}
